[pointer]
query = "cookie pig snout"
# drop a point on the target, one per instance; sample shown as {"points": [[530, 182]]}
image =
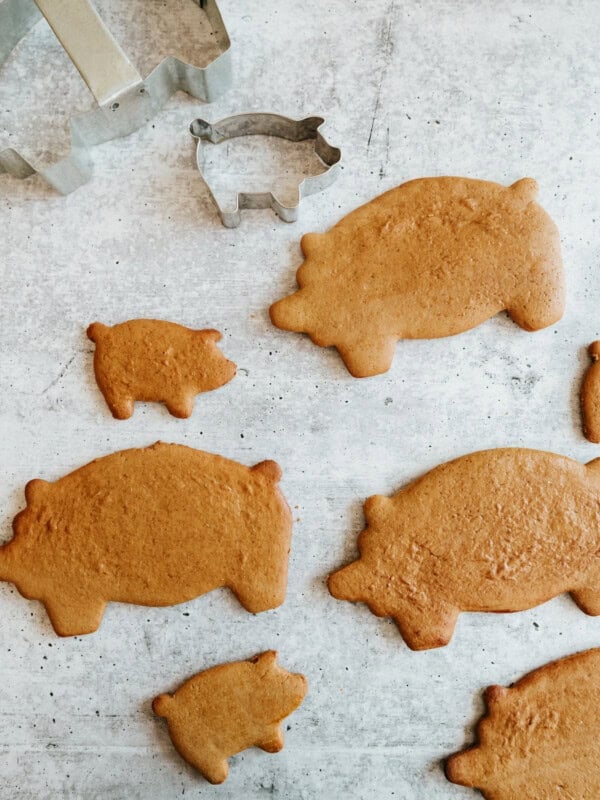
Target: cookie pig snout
{"points": [[348, 583], [464, 769], [298, 688], [290, 313]]}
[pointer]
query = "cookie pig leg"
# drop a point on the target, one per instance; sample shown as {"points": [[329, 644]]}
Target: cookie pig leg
{"points": [[214, 770], [425, 629], [181, 406], [588, 600], [120, 407], [273, 741], [368, 358], [256, 595], [72, 616], [532, 315]]}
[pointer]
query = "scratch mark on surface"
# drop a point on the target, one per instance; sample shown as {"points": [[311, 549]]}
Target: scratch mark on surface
{"points": [[388, 49], [60, 375]]}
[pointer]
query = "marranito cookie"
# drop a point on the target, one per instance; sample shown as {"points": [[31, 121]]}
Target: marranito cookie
{"points": [[229, 708], [540, 738], [499, 530], [590, 396], [431, 258], [156, 361], [153, 526]]}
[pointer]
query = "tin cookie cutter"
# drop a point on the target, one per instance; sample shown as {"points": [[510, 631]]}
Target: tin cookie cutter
{"points": [[257, 124], [125, 100]]}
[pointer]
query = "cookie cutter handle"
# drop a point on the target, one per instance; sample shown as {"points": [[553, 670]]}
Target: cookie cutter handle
{"points": [[101, 62]]}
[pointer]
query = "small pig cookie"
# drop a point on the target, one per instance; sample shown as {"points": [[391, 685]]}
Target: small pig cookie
{"points": [[499, 530], [154, 526], [431, 258], [229, 708], [540, 738], [590, 396], [156, 361]]}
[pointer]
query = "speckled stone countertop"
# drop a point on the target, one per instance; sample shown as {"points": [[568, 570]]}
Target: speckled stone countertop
{"points": [[495, 90]]}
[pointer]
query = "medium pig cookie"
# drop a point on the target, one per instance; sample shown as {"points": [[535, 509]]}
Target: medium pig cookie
{"points": [[154, 526], [540, 738], [431, 258], [590, 396], [156, 361], [229, 708], [499, 530]]}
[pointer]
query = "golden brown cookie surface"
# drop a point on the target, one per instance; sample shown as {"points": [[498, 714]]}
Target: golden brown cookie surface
{"points": [[154, 526], [540, 738], [156, 361], [228, 708], [431, 258], [590, 396], [499, 530]]}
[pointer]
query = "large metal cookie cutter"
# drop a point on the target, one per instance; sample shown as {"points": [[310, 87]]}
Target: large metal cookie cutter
{"points": [[125, 101], [256, 124]]}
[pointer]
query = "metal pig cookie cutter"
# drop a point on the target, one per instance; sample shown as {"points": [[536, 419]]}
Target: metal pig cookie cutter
{"points": [[257, 124], [125, 100]]}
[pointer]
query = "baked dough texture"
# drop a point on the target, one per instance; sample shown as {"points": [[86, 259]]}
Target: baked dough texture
{"points": [[154, 526], [498, 530], [431, 258], [156, 361], [540, 738], [590, 396], [229, 708]]}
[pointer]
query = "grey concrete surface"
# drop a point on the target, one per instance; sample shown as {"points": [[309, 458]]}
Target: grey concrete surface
{"points": [[492, 89]]}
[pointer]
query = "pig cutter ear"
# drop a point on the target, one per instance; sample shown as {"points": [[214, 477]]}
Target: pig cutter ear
{"points": [[95, 331], [526, 190], [211, 335], [35, 489], [270, 469]]}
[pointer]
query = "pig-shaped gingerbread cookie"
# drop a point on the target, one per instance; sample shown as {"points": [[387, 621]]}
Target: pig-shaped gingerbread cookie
{"points": [[156, 361], [431, 258], [541, 738], [590, 396], [499, 530], [154, 526], [228, 708]]}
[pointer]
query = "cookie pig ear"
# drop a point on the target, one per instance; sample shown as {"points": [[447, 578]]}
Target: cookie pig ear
{"points": [[161, 704], [266, 659], [211, 335], [494, 695], [375, 506], [594, 350], [525, 190], [35, 489], [270, 469], [96, 330], [310, 243]]}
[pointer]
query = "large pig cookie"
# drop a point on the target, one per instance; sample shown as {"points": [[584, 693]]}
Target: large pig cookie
{"points": [[229, 708], [540, 738], [433, 257], [154, 526], [156, 361], [499, 530]]}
